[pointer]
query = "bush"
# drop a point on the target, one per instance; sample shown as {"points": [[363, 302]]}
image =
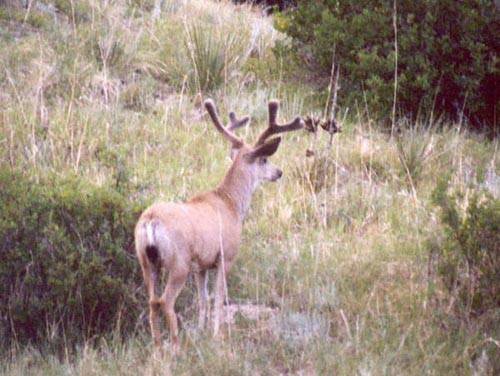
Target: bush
{"points": [[67, 268], [447, 58], [469, 258]]}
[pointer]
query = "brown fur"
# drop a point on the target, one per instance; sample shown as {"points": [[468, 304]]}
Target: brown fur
{"points": [[200, 234]]}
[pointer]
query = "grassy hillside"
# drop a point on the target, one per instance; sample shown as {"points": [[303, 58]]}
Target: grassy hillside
{"points": [[102, 114]]}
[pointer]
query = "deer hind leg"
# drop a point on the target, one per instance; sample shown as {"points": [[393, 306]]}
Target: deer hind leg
{"points": [[220, 293], [176, 280], [201, 279], [150, 274]]}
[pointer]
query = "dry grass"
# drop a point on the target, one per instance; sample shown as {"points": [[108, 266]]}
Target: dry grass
{"points": [[338, 248]]}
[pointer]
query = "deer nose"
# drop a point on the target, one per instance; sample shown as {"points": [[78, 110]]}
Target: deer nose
{"points": [[280, 173]]}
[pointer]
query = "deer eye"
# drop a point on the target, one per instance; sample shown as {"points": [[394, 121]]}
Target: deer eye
{"points": [[263, 160]]}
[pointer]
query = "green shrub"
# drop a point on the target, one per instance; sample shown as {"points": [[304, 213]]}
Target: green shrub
{"points": [[447, 58], [19, 15], [469, 258], [67, 267]]}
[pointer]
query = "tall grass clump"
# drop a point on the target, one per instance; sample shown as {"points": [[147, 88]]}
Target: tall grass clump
{"points": [[414, 151], [205, 54], [76, 11], [214, 55]]}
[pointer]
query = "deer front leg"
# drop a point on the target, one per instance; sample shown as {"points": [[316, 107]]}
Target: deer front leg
{"points": [[201, 279], [220, 293]]}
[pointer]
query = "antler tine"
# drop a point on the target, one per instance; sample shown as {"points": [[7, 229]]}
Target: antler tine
{"points": [[274, 127], [212, 111], [273, 106], [234, 123]]}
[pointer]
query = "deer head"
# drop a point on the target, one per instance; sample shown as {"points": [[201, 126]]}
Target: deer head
{"points": [[252, 161]]}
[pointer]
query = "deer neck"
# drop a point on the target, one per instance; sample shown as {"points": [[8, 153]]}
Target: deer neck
{"points": [[237, 187]]}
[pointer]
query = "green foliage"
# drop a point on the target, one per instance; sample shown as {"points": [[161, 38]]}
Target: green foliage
{"points": [[208, 57], [447, 58], [76, 11], [66, 260], [16, 14], [469, 258]]}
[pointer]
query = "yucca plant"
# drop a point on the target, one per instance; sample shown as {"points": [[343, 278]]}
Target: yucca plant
{"points": [[214, 55], [414, 148]]}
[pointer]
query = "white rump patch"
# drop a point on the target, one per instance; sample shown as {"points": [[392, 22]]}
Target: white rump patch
{"points": [[150, 228]]}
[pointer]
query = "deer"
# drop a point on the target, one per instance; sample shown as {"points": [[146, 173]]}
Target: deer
{"points": [[204, 232]]}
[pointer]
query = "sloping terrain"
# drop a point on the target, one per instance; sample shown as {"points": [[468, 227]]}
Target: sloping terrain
{"points": [[340, 254]]}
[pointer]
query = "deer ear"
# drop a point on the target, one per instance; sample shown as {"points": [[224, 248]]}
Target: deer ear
{"points": [[265, 150]]}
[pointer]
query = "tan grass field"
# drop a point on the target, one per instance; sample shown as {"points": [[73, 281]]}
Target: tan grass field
{"points": [[334, 275]]}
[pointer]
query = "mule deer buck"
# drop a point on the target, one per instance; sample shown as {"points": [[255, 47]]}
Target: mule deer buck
{"points": [[204, 232]]}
